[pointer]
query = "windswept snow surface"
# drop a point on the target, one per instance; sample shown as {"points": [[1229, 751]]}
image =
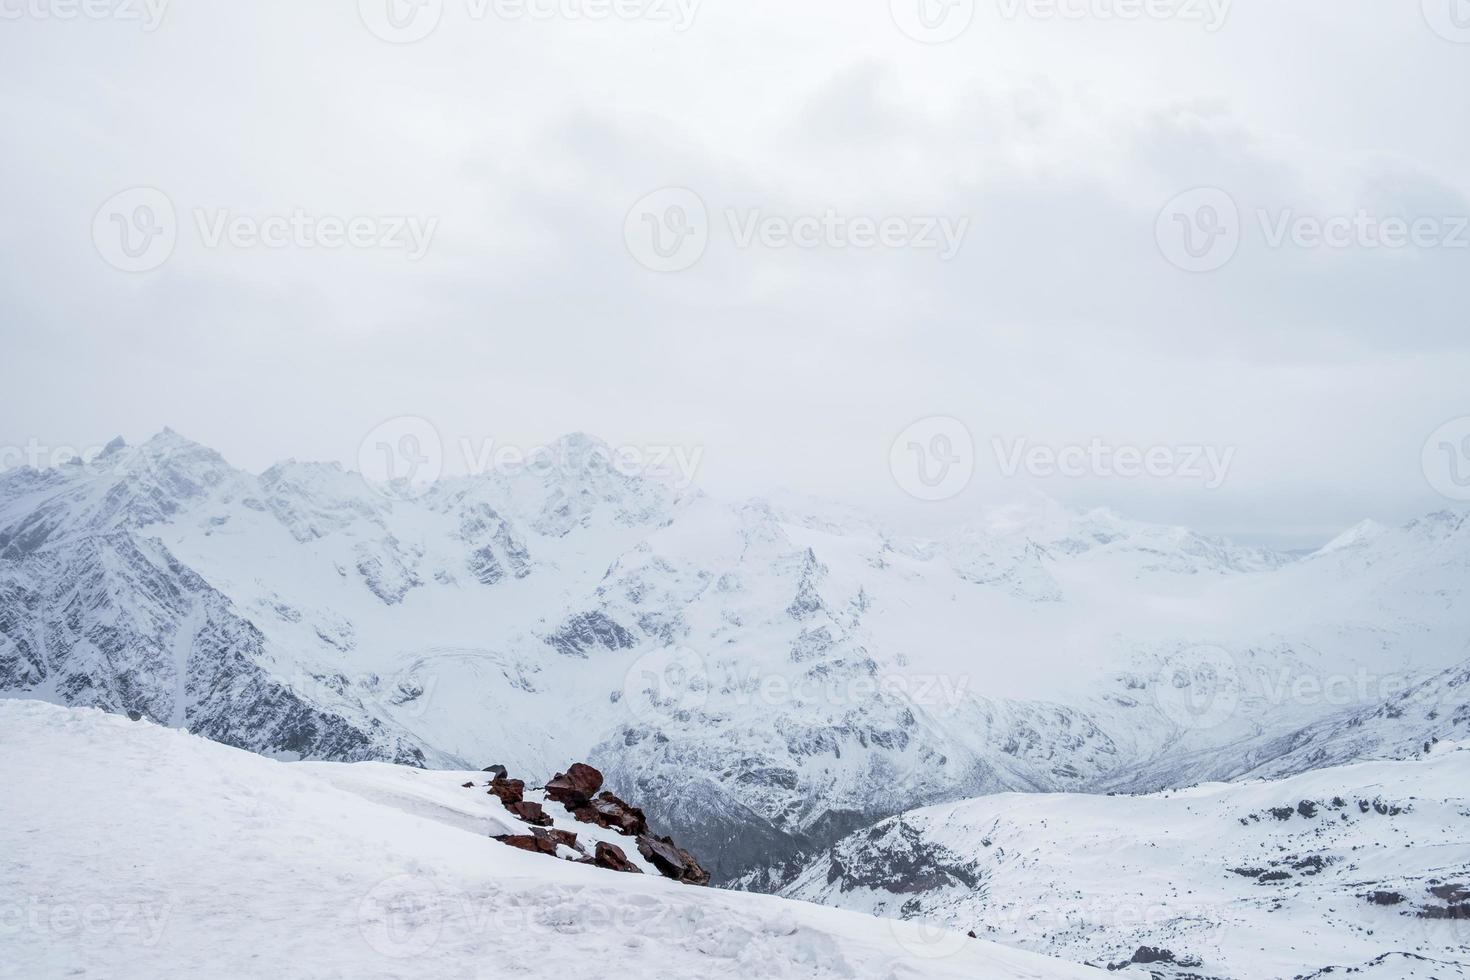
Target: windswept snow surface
{"points": [[1360, 870], [132, 850]]}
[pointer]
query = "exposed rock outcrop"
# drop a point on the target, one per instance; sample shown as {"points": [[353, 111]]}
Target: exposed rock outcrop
{"points": [[577, 791]]}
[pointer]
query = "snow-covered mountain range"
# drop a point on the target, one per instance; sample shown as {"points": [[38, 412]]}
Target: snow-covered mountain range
{"points": [[765, 676], [1361, 870]]}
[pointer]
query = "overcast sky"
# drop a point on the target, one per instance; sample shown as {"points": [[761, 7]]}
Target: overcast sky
{"points": [[524, 150]]}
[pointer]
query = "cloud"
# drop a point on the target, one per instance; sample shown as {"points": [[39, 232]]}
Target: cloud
{"points": [[1059, 319]]}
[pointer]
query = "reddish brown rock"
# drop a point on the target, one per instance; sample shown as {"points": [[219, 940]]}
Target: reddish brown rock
{"points": [[530, 812], [575, 787], [614, 814], [557, 837], [671, 860], [611, 856], [509, 790], [526, 842]]}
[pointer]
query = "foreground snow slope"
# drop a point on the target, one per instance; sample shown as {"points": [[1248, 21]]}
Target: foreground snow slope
{"points": [[133, 850], [1364, 867]]}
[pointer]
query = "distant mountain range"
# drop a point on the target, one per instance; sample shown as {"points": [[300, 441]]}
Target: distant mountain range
{"points": [[766, 676]]}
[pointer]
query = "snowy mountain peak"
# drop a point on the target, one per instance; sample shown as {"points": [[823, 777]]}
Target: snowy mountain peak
{"points": [[1359, 535], [767, 675], [117, 445]]}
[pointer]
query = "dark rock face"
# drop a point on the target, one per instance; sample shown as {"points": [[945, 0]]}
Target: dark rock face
{"points": [[1451, 893], [118, 655], [590, 631], [611, 856], [526, 842], [1385, 898], [563, 837], [496, 770], [493, 544], [1456, 898], [895, 857], [576, 786], [509, 790], [1156, 954], [671, 860], [531, 813], [614, 814]]}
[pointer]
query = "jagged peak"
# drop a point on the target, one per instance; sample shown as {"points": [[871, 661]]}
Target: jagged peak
{"points": [[292, 465], [1358, 535], [579, 441], [1438, 523], [168, 443]]}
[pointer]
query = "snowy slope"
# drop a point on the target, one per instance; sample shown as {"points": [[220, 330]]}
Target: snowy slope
{"points": [[132, 850], [768, 674], [1358, 868]]}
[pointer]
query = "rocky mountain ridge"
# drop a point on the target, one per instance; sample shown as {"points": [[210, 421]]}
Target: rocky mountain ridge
{"points": [[767, 675]]}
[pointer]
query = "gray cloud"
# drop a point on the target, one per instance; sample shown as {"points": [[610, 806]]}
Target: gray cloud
{"points": [[1058, 321]]}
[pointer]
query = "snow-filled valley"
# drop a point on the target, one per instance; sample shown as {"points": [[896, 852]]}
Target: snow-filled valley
{"points": [[130, 850], [1360, 869], [767, 676]]}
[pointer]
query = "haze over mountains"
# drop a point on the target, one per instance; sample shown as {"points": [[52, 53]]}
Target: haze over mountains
{"points": [[767, 676]]}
